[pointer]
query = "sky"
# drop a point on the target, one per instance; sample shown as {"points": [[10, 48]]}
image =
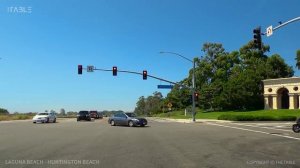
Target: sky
{"points": [[43, 41]]}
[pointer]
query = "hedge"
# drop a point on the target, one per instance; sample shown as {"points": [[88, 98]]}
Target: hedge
{"points": [[233, 117]]}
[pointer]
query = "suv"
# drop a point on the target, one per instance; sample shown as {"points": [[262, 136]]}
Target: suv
{"points": [[94, 114], [83, 115]]}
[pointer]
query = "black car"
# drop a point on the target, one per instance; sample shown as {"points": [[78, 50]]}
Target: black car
{"points": [[84, 115], [127, 119]]}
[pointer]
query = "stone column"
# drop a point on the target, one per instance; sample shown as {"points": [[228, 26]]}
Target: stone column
{"points": [[267, 106], [279, 101], [292, 104], [275, 102]]}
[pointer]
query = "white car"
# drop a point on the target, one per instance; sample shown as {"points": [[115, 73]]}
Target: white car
{"points": [[44, 117]]}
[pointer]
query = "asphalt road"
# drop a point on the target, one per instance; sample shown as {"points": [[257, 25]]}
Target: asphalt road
{"points": [[163, 144]]}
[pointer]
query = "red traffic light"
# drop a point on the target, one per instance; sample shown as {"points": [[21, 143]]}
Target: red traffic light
{"points": [[196, 96], [115, 70], [145, 75], [79, 69]]}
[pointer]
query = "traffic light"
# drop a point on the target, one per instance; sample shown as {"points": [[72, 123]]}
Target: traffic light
{"points": [[257, 38], [79, 69], [196, 96], [145, 75], [115, 70]]}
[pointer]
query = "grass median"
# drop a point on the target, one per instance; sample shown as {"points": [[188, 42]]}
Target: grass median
{"points": [[258, 115]]}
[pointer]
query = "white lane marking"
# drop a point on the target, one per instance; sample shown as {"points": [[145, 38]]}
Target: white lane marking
{"points": [[3, 122], [262, 132], [271, 123], [14, 121], [262, 127]]}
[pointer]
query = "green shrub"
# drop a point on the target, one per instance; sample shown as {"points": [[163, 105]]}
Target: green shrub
{"points": [[21, 117], [4, 117], [233, 117], [287, 118]]}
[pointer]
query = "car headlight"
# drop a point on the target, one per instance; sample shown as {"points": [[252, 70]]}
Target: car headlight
{"points": [[135, 119]]}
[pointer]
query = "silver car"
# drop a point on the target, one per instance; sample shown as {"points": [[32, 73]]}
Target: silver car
{"points": [[127, 119]]}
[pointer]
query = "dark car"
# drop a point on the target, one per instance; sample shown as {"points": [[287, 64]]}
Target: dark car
{"points": [[127, 119], [296, 127], [83, 115], [94, 114], [100, 115]]}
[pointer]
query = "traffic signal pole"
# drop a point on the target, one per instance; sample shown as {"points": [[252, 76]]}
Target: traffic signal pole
{"points": [[193, 97], [142, 73], [193, 88], [284, 24]]}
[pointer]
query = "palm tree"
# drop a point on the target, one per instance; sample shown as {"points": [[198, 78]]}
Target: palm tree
{"points": [[298, 59]]}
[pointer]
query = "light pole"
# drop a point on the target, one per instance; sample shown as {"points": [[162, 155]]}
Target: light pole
{"points": [[193, 79]]}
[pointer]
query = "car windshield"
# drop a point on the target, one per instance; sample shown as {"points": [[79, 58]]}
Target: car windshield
{"points": [[131, 114], [83, 112], [42, 114]]}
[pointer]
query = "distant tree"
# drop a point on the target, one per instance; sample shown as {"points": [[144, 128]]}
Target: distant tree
{"points": [[140, 106], [298, 59], [62, 112], [150, 105], [3, 111], [70, 113], [277, 68]]}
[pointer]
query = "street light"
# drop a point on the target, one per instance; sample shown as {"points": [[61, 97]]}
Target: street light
{"points": [[193, 79]]}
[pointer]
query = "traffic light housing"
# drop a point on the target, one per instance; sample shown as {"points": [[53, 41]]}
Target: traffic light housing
{"points": [[145, 74], [257, 38], [115, 70], [79, 69], [196, 96]]}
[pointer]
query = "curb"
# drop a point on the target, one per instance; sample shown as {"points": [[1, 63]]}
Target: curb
{"points": [[188, 120]]}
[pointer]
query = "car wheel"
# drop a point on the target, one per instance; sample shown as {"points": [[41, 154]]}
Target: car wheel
{"points": [[296, 128], [112, 123], [34, 122], [142, 125], [78, 120], [130, 124], [47, 121], [54, 121]]}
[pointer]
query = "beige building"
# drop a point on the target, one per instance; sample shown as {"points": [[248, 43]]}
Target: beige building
{"points": [[282, 93]]}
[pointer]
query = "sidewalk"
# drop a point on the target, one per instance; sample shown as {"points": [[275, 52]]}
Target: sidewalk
{"points": [[187, 120]]}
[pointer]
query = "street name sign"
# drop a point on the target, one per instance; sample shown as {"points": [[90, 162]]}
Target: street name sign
{"points": [[90, 68], [165, 86]]}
